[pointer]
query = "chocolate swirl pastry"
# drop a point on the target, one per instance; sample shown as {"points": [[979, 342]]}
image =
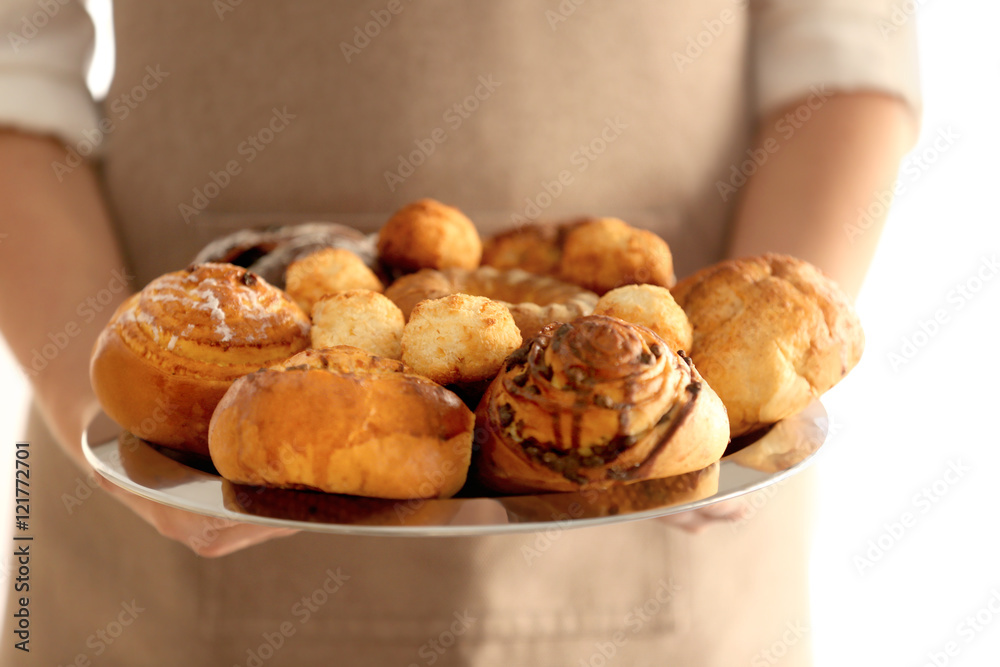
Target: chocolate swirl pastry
{"points": [[268, 252], [595, 403]]}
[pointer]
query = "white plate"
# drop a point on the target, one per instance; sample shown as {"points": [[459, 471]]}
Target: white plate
{"points": [[189, 484]]}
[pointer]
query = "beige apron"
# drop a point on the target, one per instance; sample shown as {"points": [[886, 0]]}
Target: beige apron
{"points": [[230, 113]]}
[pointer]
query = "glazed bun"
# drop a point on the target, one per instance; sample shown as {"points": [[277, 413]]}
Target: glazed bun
{"points": [[343, 421], [429, 235], [593, 403], [771, 333], [171, 351]]}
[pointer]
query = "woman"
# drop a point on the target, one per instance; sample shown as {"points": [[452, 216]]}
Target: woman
{"points": [[730, 129]]}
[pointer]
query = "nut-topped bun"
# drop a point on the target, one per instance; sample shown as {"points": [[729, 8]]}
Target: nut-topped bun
{"points": [[592, 403], [343, 421], [429, 235], [771, 333], [171, 351]]}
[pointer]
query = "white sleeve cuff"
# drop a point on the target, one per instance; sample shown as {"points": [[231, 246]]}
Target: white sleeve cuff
{"points": [[48, 104], [45, 51], [801, 46]]}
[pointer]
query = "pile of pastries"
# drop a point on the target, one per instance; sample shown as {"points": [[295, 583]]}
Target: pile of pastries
{"points": [[552, 357]]}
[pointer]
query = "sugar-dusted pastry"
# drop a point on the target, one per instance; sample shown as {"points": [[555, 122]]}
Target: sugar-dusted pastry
{"points": [[171, 351]]}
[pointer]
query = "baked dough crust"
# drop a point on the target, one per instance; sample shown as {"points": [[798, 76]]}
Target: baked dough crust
{"points": [[771, 333], [343, 421]]}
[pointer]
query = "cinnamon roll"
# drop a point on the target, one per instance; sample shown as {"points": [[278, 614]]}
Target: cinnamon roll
{"points": [[594, 403], [171, 351]]}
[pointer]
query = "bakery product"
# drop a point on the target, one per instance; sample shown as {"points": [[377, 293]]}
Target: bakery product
{"points": [[653, 307], [532, 300], [171, 351], [771, 333], [343, 421], [606, 253], [327, 271], [598, 254], [359, 318], [429, 234], [593, 403], [268, 252], [459, 339]]}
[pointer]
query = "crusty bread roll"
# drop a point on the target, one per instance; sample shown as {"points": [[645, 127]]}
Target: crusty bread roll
{"points": [[592, 403], [171, 351], [532, 300], [343, 421], [771, 333]]}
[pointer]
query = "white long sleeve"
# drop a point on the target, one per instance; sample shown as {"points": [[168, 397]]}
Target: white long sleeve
{"points": [[842, 45], [44, 56]]}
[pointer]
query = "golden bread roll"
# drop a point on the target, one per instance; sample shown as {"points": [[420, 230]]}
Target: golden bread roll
{"points": [[171, 351], [535, 248], [653, 307], [593, 403], [359, 318], [429, 235], [532, 300], [328, 271], [459, 339], [771, 333], [342, 421], [606, 253]]}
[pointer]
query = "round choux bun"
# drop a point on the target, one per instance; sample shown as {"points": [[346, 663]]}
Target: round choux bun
{"points": [[328, 271], [653, 307], [459, 339], [604, 253], [171, 351], [359, 318], [429, 235]]}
